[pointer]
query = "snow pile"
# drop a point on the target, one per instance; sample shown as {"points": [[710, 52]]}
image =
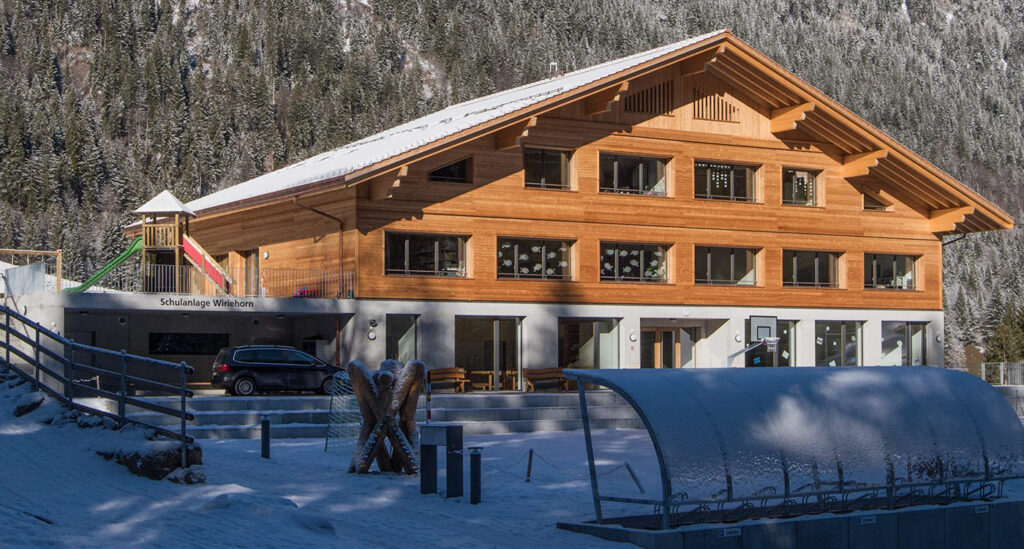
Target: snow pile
{"points": [[249, 505], [28, 402]]}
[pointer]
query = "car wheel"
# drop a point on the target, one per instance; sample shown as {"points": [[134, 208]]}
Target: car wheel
{"points": [[244, 386], [325, 387]]}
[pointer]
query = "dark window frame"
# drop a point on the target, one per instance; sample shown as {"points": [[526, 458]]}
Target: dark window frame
{"points": [[437, 271], [732, 196], [642, 278], [616, 189], [819, 264], [844, 325], [733, 281], [187, 343], [881, 207], [517, 275], [566, 172], [466, 178], [871, 264], [813, 188]]}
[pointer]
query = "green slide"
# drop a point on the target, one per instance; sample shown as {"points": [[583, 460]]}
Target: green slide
{"points": [[133, 249]]}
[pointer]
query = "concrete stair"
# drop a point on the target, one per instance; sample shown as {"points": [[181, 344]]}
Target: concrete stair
{"points": [[298, 416]]}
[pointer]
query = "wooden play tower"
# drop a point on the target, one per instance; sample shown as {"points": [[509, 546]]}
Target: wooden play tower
{"points": [[166, 242]]}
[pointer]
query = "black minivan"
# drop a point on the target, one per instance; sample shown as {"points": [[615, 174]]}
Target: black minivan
{"points": [[246, 369]]}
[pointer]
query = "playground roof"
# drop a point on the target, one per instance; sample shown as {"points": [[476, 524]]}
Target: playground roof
{"points": [[165, 203]]}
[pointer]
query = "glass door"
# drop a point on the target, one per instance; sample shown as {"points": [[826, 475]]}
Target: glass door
{"points": [[660, 347]]}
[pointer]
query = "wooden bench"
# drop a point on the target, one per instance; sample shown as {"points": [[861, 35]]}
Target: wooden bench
{"points": [[455, 376], [532, 376]]}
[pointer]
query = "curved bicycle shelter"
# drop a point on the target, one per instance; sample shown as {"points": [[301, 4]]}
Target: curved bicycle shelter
{"points": [[738, 443]]}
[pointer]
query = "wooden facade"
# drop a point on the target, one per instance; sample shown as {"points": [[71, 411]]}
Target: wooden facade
{"points": [[720, 101]]}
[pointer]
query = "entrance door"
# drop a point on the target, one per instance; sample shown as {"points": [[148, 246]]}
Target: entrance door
{"points": [[660, 348], [488, 348]]}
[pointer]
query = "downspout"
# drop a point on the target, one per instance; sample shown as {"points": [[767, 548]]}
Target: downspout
{"points": [[341, 269]]}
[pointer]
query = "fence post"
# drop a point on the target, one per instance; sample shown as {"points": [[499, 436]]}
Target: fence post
{"points": [[124, 386], [7, 334], [69, 372], [184, 437], [1002, 373], [36, 386]]}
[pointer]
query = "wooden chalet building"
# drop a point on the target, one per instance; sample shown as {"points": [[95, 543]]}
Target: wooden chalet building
{"points": [[632, 214]]}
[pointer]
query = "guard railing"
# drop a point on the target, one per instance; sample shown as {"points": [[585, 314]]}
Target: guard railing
{"points": [[68, 371]]}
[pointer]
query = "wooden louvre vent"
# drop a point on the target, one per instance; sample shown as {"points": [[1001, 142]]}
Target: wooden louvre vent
{"points": [[709, 105], [656, 99]]}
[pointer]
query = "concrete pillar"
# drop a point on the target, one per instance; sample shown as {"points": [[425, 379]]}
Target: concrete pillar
{"points": [[540, 340], [436, 339], [629, 350], [871, 343]]}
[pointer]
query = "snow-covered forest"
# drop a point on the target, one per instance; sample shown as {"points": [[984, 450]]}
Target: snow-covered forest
{"points": [[103, 104]]}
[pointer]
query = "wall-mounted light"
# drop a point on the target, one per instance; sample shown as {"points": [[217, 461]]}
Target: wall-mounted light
{"points": [[266, 255], [632, 336], [371, 335], [373, 322], [255, 322], [738, 337], [185, 315], [122, 321], [938, 338], [280, 317]]}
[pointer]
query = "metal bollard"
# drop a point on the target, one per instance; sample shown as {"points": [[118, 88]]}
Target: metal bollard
{"points": [[474, 475], [529, 466], [265, 437]]}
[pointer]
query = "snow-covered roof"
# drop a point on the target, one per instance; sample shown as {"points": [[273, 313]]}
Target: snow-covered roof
{"points": [[164, 203], [426, 130]]}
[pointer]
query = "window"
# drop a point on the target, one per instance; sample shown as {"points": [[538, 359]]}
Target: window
{"points": [[532, 258], [894, 272], [588, 343], [634, 262], [760, 357], [799, 187], [400, 337], [546, 169], [724, 265], [873, 204], [817, 269], [186, 344], [452, 173], [837, 343], [724, 181], [903, 343], [632, 175], [425, 254]]}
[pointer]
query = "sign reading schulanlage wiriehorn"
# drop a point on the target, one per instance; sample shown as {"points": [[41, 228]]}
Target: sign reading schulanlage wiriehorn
{"points": [[202, 304]]}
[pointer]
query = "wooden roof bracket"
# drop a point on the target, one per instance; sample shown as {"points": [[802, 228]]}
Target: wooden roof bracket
{"points": [[859, 165], [384, 186], [699, 63], [512, 136], [786, 118], [944, 221], [603, 100]]}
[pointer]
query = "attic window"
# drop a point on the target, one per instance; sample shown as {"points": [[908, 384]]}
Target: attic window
{"points": [[873, 204], [712, 106], [654, 100], [457, 172]]}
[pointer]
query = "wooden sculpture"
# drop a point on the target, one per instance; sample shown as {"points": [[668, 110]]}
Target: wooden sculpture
{"points": [[387, 400]]}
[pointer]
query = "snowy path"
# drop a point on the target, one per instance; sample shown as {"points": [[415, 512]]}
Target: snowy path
{"points": [[294, 499]]}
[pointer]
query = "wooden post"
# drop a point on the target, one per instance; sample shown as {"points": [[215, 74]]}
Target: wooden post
{"points": [[145, 247], [177, 255], [60, 269]]}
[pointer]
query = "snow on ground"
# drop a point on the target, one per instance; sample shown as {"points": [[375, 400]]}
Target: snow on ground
{"points": [[54, 490]]}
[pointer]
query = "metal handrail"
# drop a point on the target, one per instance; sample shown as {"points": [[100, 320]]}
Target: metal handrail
{"points": [[33, 349]]}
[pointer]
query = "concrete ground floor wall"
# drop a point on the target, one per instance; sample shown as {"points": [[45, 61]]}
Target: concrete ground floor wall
{"points": [[357, 328]]}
